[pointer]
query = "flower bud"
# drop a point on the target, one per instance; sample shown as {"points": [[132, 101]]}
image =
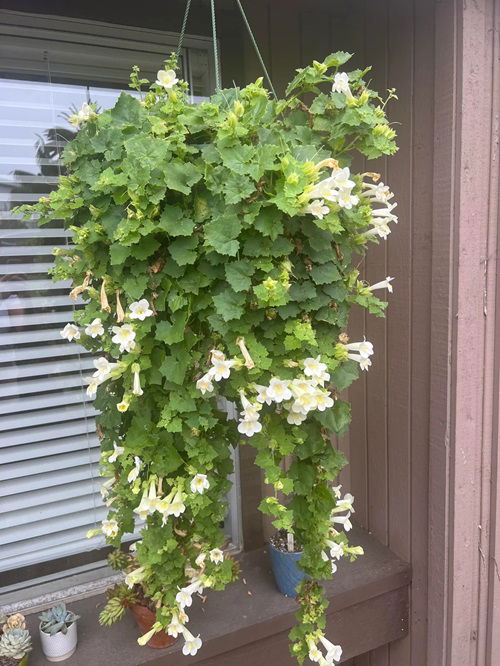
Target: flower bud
{"points": [[319, 67]]}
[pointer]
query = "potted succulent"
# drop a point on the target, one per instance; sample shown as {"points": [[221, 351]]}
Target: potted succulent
{"points": [[15, 641], [58, 633]]}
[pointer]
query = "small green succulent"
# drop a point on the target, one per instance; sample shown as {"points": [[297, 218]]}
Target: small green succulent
{"points": [[15, 643], [57, 619]]}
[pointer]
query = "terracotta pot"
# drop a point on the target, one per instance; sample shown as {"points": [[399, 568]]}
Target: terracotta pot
{"points": [[145, 620]]}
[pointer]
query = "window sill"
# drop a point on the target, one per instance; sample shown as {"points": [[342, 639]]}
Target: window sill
{"points": [[250, 620]]}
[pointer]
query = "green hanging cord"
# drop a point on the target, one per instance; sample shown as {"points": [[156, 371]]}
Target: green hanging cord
{"points": [[216, 52], [183, 29], [257, 51]]}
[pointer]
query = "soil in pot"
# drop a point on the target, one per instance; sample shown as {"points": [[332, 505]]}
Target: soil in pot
{"points": [[145, 619], [280, 542], [8, 661]]}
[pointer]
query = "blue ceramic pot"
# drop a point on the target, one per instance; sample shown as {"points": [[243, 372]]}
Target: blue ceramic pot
{"points": [[286, 572]]}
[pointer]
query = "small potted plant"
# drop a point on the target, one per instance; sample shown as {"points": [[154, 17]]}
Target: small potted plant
{"points": [[285, 554], [58, 632], [15, 641], [286, 551], [130, 594]]}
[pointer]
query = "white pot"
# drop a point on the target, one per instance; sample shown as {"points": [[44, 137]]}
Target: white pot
{"points": [[59, 646]]}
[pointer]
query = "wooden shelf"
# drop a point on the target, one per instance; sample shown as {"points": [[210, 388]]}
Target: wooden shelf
{"points": [[248, 622]]}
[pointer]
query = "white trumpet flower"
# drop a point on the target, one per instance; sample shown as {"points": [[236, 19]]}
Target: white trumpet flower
{"points": [[110, 528], [364, 363], [263, 394], [106, 486], [344, 521], [345, 504], [140, 310], [250, 410], [192, 643], [249, 428], [336, 549], [364, 348], [347, 200], [103, 368], [314, 652], [134, 472], [143, 508], [296, 418], [117, 451], [278, 390], [134, 577], [177, 506], [313, 367], [124, 336], [317, 208], [216, 556], [199, 483], [325, 189], [341, 84], [377, 192], [204, 384], [384, 284], [137, 390], [333, 652], [166, 79], [70, 332], [175, 626], [304, 403], [93, 384], [221, 368], [341, 178], [386, 213], [81, 116], [184, 595], [95, 328], [323, 401]]}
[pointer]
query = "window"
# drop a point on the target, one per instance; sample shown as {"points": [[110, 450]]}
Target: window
{"points": [[49, 451]]}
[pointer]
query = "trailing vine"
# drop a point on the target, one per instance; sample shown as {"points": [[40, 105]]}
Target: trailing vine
{"points": [[214, 251]]}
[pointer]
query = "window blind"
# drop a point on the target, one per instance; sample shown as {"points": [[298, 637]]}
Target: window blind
{"points": [[49, 450]]}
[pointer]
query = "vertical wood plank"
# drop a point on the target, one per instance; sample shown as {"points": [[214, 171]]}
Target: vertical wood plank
{"points": [[400, 261], [376, 328], [422, 156], [346, 35], [314, 33], [258, 17], [285, 55], [493, 611]]}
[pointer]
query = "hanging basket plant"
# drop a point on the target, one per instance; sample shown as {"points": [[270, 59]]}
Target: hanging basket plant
{"points": [[215, 251]]}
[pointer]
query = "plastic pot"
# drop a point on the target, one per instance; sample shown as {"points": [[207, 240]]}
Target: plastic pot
{"points": [[145, 620], [286, 572], [59, 646], [24, 660]]}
